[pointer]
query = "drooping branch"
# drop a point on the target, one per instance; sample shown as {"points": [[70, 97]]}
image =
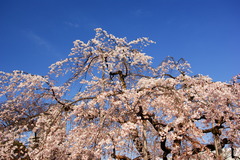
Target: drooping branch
{"points": [[211, 147], [121, 77], [157, 126], [139, 144], [215, 130], [164, 148]]}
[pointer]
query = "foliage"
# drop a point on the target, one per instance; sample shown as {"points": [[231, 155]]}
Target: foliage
{"points": [[115, 104]]}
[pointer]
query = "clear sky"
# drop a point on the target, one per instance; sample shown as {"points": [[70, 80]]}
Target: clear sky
{"points": [[36, 33]]}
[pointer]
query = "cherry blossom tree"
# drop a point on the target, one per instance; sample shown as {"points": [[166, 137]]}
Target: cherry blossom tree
{"points": [[106, 101]]}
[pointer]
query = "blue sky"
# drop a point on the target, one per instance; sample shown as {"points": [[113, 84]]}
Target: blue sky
{"points": [[36, 33]]}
